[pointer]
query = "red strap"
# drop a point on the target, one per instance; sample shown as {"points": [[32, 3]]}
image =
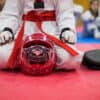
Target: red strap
{"points": [[58, 42], [48, 16], [16, 47]]}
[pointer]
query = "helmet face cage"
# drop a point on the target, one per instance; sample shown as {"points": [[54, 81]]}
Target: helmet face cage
{"points": [[36, 54]]}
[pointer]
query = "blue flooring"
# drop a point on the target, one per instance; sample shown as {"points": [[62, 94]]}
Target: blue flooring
{"points": [[82, 39], [88, 40]]}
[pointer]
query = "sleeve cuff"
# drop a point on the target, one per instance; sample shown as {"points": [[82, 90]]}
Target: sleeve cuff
{"points": [[9, 30], [63, 30]]}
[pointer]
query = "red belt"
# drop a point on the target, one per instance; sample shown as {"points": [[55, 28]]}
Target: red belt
{"points": [[34, 16], [38, 18]]}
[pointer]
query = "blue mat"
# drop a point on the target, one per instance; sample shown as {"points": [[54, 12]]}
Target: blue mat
{"points": [[82, 39], [88, 40]]}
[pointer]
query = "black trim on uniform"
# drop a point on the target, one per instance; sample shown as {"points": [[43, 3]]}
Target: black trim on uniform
{"points": [[39, 5], [63, 30], [61, 38], [10, 30]]}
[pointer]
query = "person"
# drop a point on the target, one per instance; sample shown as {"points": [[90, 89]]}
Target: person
{"points": [[61, 25], [78, 10], [91, 20]]}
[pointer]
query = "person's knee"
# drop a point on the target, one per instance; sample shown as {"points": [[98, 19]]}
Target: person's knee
{"points": [[5, 52], [4, 56]]}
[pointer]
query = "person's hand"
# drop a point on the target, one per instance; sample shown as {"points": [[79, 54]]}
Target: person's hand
{"points": [[5, 37], [69, 37]]}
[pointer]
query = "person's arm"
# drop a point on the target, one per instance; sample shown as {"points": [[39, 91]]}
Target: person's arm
{"points": [[10, 15], [88, 22], [9, 19], [66, 20]]}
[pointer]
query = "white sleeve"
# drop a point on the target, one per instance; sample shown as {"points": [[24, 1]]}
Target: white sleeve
{"points": [[65, 14], [11, 14], [86, 16]]}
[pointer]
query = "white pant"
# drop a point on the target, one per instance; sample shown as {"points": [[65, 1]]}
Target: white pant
{"points": [[65, 60], [5, 52]]}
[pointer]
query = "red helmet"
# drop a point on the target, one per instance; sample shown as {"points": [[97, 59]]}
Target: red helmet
{"points": [[37, 55]]}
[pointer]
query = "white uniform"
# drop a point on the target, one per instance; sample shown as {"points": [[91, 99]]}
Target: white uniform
{"points": [[78, 10], [12, 14], [91, 24]]}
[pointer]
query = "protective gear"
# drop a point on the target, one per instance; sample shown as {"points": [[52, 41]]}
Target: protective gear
{"points": [[5, 37], [37, 55], [69, 37], [91, 59]]}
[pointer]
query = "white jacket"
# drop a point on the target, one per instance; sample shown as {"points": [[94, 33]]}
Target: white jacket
{"points": [[14, 9], [91, 21]]}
